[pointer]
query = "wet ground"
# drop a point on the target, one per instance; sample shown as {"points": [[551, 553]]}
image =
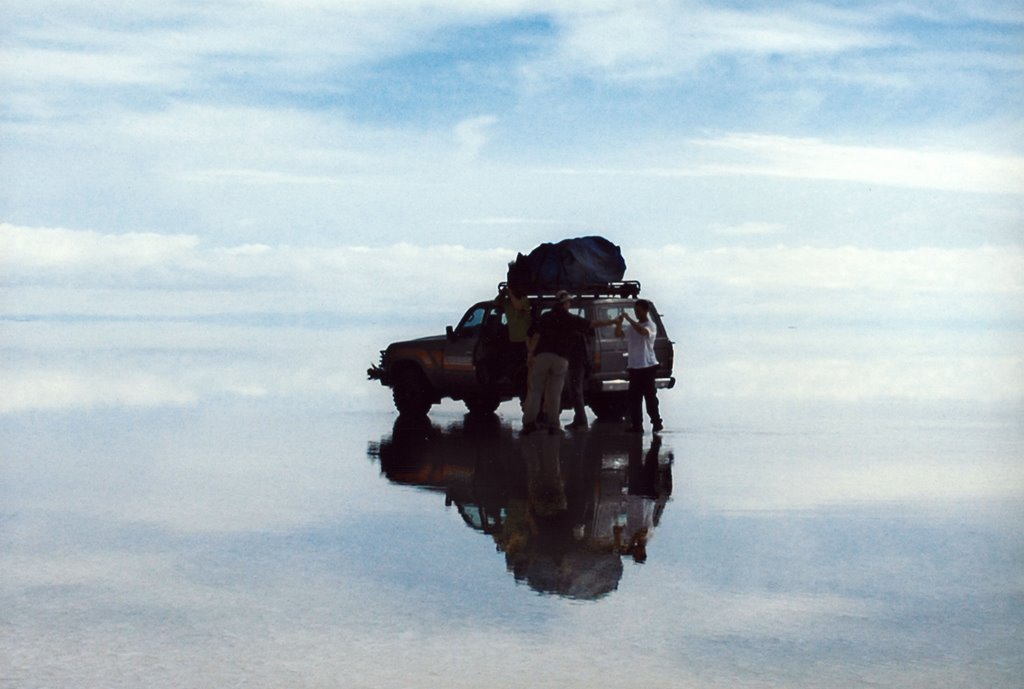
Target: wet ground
{"points": [[224, 536]]}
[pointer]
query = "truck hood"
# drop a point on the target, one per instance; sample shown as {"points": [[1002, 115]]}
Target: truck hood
{"points": [[418, 340]]}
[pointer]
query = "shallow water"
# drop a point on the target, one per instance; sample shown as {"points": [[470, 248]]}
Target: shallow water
{"points": [[217, 535]]}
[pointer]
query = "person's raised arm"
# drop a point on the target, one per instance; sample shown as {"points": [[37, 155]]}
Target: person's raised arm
{"points": [[637, 326]]}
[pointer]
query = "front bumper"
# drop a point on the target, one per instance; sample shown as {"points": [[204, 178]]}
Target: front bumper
{"points": [[376, 372]]}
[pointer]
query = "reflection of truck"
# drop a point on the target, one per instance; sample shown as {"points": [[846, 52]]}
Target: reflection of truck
{"points": [[461, 364], [564, 510]]}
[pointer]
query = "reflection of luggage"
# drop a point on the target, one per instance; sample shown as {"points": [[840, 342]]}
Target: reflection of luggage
{"points": [[569, 264]]}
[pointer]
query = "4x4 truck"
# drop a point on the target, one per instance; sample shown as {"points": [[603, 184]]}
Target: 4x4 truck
{"points": [[462, 364]]}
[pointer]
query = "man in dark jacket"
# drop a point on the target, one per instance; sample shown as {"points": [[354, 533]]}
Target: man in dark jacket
{"points": [[552, 339]]}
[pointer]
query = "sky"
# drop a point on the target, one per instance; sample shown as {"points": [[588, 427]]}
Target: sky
{"points": [[502, 124], [322, 161]]}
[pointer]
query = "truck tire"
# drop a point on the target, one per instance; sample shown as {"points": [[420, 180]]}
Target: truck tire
{"points": [[608, 406], [484, 403], [411, 392]]}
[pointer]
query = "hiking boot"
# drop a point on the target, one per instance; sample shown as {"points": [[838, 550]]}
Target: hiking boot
{"points": [[658, 426]]}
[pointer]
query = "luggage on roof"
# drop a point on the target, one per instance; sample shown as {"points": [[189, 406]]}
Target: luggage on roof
{"points": [[568, 264]]}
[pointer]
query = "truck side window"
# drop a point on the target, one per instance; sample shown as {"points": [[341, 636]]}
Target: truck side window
{"points": [[472, 321], [612, 312]]}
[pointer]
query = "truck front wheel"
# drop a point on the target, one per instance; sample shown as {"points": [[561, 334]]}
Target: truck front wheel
{"points": [[411, 392], [483, 403]]}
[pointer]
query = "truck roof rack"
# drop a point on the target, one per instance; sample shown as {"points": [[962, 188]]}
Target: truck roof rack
{"points": [[626, 288]]}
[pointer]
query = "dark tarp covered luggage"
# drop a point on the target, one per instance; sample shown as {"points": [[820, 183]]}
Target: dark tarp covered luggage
{"points": [[568, 264]]}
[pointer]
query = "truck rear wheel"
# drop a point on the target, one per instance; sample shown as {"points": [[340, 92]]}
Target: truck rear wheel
{"points": [[608, 406], [411, 392]]}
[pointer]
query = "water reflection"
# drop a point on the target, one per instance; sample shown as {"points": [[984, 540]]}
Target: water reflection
{"points": [[565, 510]]}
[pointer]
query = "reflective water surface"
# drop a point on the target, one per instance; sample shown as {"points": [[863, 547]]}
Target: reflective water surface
{"points": [[240, 533]]}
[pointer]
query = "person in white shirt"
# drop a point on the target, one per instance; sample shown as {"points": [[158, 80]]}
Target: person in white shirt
{"points": [[642, 366]]}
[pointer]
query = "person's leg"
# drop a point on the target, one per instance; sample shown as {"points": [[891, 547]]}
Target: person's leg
{"points": [[579, 410], [634, 399], [557, 369], [535, 389], [651, 395]]}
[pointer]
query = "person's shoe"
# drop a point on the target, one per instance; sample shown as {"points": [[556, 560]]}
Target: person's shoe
{"points": [[529, 428], [578, 426], [635, 429], [658, 426], [555, 430]]}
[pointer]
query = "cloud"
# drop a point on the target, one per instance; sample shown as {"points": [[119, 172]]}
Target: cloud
{"points": [[759, 155], [509, 221], [471, 135], [58, 256], [355, 278], [24, 250], [896, 376], [172, 269], [952, 170], [55, 388], [279, 47], [373, 122], [94, 320], [627, 41], [750, 229], [951, 272]]}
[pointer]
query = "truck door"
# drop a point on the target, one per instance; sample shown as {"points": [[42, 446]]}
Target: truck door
{"points": [[459, 369]]}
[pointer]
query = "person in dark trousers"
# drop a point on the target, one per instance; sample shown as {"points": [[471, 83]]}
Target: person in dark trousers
{"points": [[552, 339], [579, 369], [642, 366]]}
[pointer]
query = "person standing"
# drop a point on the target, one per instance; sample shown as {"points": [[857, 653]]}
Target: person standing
{"points": [[579, 369], [519, 317], [642, 367], [552, 339]]}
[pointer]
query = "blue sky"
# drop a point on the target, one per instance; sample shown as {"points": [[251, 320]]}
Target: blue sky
{"points": [[373, 122], [275, 152]]}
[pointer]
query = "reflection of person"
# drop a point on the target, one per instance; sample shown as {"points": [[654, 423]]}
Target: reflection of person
{"points": [[643, 496], [642, 366], [545, 486], [551, 342], [539, 539]]}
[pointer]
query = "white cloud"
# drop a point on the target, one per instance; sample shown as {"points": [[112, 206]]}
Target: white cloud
{"points": [[185, 46], [471, 135], [55, 388], [900, 375], [950, 272], [57, 255], [953, 170], [24, 250], [149, 279], [750, 229], [174, 271], [509, 221], [758, 155], [662, 39]]}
